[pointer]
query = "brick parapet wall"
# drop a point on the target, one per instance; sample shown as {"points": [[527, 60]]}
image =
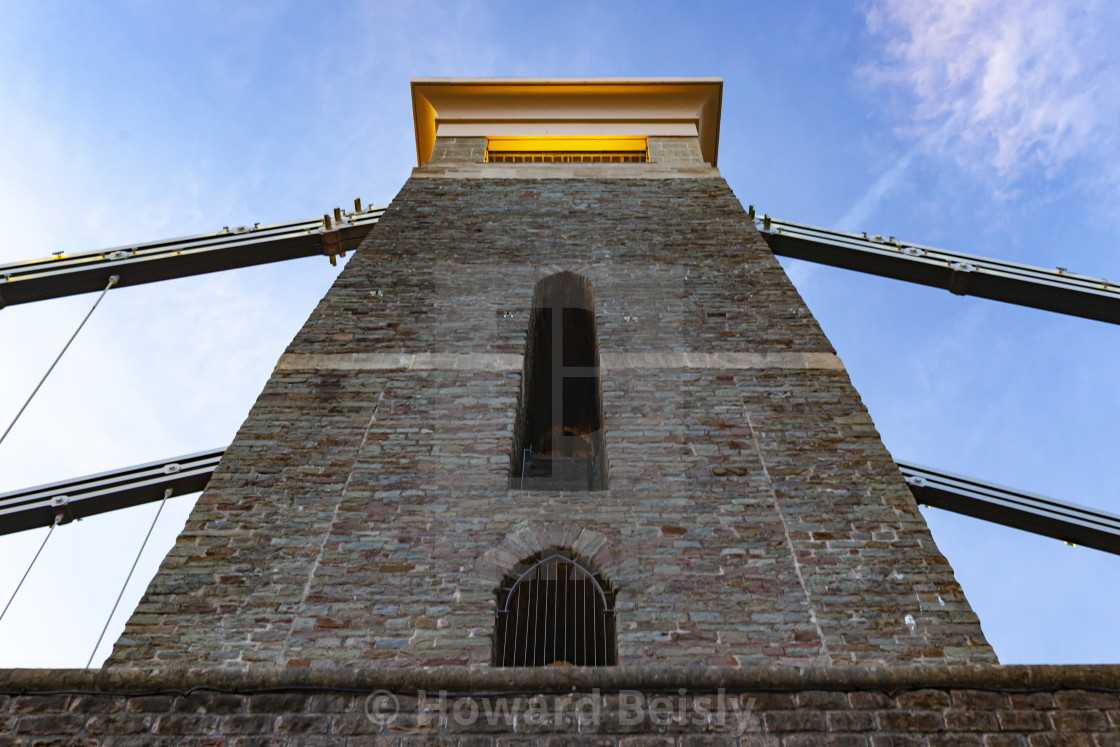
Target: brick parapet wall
{"points": [[1024, 705]]}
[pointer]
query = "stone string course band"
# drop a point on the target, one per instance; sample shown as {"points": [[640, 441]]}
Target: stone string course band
{"points": [[513, 362], [1040, 677]]}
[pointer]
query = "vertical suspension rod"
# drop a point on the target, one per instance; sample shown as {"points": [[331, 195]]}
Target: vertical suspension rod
{"points": [[112, 281]]}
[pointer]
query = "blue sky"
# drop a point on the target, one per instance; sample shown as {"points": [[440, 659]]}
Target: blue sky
{"points": [[985, 126]]}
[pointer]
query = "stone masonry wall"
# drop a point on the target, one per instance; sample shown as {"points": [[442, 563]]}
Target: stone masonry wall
{"points": [[998, 707], [459, 149], [362, 514], [676, 150]]}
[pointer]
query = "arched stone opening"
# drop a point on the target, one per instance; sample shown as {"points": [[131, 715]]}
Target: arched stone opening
{"points": [[553, 611]]}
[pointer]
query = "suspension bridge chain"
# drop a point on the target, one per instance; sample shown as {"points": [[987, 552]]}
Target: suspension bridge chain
{"points": [[65, 274]]}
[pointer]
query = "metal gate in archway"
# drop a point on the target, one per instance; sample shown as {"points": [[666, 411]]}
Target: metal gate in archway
{"points": [[555, 613]]}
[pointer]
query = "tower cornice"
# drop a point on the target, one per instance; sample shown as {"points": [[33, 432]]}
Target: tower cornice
{"points": [[567, 107]]}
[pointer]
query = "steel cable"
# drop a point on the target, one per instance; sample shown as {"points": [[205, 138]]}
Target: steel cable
{"points": [[166, 495], [112, 281], [28, 571]]}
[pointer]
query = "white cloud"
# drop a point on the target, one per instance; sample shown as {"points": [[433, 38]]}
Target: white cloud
{"points": [[1026, 86]]}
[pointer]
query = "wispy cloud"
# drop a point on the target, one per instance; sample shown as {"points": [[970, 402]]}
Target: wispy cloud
{"points": [[1025, 86], [865, 206]]}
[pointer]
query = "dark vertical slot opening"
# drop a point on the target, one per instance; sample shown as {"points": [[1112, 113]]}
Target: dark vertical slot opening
{"points": [[558, 439]]}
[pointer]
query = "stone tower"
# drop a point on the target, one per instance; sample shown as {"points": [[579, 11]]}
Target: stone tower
{"points": [[564, 364]]}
